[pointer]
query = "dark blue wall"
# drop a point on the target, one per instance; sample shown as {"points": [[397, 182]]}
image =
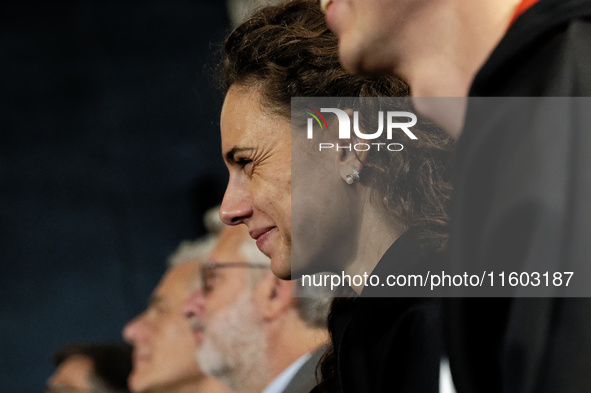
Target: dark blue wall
{"points": [[109, 154]]}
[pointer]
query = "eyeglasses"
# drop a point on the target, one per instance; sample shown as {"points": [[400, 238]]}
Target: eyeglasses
{"points": [[209, 275]]}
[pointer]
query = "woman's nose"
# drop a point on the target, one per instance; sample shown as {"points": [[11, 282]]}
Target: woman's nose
{"points": [[236, 206]]}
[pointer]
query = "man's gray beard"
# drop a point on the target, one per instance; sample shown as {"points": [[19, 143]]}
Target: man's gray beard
{"points": [[234, 347]]}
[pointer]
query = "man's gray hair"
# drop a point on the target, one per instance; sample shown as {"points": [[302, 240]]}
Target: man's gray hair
{"points": [[190, 250]]}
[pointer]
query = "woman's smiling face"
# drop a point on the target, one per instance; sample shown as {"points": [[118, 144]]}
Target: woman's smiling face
{"points": [[256, 146]]}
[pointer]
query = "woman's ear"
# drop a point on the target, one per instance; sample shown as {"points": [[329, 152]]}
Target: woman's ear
{"points": [[351, 156]]}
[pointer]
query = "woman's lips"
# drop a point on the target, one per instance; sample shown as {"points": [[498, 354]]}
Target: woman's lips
{"points": [[261, 236]]}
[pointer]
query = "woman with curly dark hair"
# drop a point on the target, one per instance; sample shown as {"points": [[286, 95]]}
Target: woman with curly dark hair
{"points": [[373, 210]]}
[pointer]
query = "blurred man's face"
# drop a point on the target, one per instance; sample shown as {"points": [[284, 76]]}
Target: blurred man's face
{"points": [[366, 28], [72, 375], [163, 346], [226, 323], [234, 341]]}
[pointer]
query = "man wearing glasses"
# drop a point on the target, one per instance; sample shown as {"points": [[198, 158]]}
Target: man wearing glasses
{"points": [[163, 347], [251, 333]]}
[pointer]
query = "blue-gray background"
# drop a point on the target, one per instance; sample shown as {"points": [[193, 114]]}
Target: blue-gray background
{"points": [[108, 158]]}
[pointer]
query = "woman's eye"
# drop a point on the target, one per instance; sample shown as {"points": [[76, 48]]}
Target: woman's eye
{"points": [[247, 165]]}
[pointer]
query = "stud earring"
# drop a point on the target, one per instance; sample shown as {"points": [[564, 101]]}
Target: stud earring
{"points": [[350, 179]]}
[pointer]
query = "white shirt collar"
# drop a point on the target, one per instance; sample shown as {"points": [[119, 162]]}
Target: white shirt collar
{"points": [[279, 384]]}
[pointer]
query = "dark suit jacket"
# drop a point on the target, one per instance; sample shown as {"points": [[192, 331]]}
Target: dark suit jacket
{"points": [[522, 198], [386, 344]]}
